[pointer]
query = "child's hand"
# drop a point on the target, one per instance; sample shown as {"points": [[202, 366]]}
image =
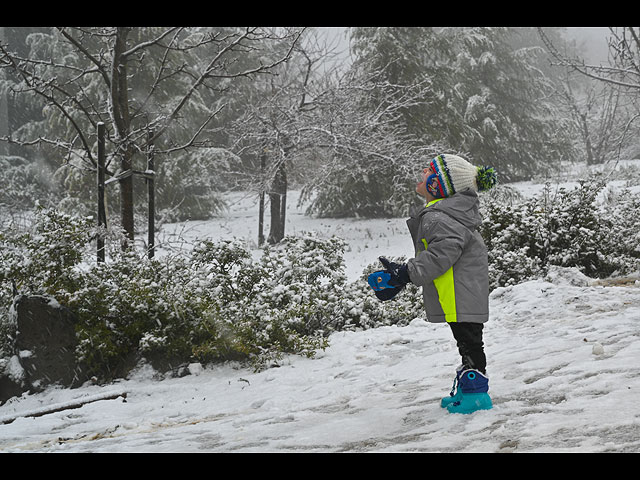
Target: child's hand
{"points": [[398, 272], [379, 283], [387, 283]]}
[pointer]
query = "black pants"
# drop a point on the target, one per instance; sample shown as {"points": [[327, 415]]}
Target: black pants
{"points": [[470, 346]]}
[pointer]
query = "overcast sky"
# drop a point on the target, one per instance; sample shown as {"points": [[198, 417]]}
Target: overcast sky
{"points": [[592, 38]]}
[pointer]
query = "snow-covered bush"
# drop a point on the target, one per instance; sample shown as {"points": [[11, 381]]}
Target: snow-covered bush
{"points": [[275, 305], [215, 304], [39, 260], [358, 307], [622, 208], [23, 181], [567, 228]]}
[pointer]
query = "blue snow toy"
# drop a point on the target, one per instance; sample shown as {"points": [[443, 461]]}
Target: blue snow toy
{"points": [[387, 283]]}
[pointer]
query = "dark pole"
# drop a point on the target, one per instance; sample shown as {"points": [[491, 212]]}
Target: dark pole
{"points": [[102, 216], [152, 199], [263, 161]]}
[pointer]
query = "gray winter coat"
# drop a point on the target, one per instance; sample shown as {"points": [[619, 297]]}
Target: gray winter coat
{"points": [[451, 262]]}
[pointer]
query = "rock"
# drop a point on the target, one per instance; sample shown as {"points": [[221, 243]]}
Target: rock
{"points": [[44, 345], [11, 378]]}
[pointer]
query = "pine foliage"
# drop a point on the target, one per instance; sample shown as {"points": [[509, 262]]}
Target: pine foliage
{"points": [[485, 93]]}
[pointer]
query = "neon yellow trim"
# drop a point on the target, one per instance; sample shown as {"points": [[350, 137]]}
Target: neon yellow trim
{"points": [[446, 290], [433, 201], [447, 295]]}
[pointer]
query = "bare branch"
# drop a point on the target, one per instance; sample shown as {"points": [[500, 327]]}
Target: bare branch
{"points": [[615, 75], [150, 43], [30, 81], [192, 141], [208, 73], [101, 68]]}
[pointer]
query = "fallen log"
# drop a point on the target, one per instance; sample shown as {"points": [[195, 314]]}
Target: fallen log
{"points": [[58, 407]]}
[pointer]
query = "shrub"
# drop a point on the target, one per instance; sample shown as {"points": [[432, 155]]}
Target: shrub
{"points": [[355, 306], [219, 303], [567, 228], [24, 180], [215, 304], [40, 260]]}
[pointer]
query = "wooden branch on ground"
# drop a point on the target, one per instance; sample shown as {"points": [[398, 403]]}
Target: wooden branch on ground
{"points": [[59, 407]]}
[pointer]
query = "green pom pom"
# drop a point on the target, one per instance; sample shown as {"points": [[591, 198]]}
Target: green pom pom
{"points": [[487, 178]]}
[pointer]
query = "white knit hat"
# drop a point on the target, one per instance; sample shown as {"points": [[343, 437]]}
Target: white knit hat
{"points": [[453, 174]]}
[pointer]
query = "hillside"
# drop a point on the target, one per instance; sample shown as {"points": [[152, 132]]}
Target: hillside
{"points": [[562, 360]]}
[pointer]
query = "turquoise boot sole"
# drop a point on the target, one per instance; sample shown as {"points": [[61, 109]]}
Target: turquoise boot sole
{"points": [[470, 402]]}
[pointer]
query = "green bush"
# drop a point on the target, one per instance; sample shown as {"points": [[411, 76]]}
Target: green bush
{"points": [[23, 181], [567, 228], [220, 303], [41, 260], [215, 304]]}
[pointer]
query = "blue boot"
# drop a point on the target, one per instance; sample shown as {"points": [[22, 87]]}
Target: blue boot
{"points": [[472, 393]]}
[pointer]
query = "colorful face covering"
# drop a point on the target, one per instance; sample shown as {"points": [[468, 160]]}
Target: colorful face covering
{"points": [[439, 183], [433, 186]]}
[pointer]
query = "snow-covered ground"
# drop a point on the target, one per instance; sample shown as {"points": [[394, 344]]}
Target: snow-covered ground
{"points": [[563, 362]]}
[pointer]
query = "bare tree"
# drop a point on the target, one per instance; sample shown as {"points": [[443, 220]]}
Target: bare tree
{"points": [[138, 80], [623, 68], [317, 118], [598, 113], [278, 120], [614, 101], [371, 159]]}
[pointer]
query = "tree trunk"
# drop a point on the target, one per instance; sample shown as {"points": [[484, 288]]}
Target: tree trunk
{"points": [[263, 164], [278, 200], [4, 110], [126, 196], [121, 121]]}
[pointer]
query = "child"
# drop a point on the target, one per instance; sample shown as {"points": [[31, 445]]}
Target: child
{"points": [[451, 266]]}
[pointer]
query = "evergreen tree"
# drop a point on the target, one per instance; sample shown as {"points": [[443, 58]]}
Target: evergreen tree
{"points": [[489, 94], [403, 56], [511, 120]]}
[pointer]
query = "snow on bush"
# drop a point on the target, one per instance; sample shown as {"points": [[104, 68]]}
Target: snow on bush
{"points": [[566, 228], [219, 303]]}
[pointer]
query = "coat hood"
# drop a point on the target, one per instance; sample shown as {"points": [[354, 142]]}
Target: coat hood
{"points": [[451, 262], [463, 207]]}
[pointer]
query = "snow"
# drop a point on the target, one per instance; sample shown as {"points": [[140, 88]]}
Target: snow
{"points": [[562, 361]]}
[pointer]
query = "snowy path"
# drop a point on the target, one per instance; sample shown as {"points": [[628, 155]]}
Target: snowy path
{"points": [[563, 363]]}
